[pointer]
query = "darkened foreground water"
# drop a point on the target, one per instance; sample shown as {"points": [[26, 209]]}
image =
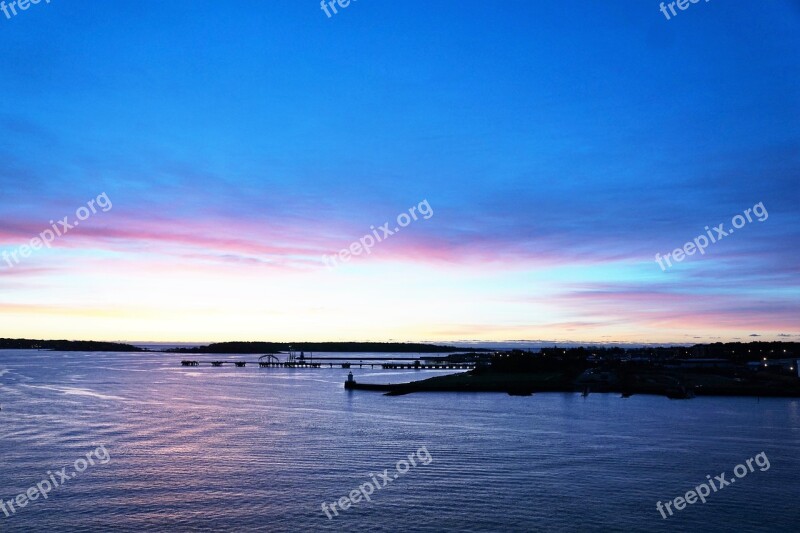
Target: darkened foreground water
{"points": [[243, 449]]}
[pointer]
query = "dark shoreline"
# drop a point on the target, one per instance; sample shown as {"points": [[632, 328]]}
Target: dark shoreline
{"points": [[401, 389], [330, 347], [239, 348], [68, 346], [621, 380]]}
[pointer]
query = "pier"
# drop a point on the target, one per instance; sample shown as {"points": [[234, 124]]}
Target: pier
{"points": [[261, 364], [430, 366], [300, 360], [397, 364]]}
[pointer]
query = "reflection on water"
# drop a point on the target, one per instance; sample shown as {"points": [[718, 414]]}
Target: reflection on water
{"points": [[244, 449]]}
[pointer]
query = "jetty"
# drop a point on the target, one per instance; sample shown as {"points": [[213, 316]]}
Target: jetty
{"points": [[295, 360], [261, 364], [415, 365]]}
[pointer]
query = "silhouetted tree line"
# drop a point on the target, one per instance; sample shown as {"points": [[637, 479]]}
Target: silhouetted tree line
{"points": [[577, 359], [67, 346], [276, 347]]}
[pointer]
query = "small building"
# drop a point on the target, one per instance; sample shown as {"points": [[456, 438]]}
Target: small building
{"points": [[789, 365], [701, 363]]}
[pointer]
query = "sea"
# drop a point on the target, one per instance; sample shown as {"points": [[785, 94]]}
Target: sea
{"points": [[136, 442]]}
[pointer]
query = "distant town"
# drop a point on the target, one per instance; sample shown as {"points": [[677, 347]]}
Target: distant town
{"points": [[735, 369]]}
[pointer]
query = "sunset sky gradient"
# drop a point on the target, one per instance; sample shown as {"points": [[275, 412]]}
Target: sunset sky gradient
{"points": [[561, 146]]}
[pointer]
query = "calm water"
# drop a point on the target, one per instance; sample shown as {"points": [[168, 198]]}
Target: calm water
{"points": [[207, 449]]}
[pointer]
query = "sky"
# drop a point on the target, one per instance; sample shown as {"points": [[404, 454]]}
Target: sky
{"points": [[218, 155]]}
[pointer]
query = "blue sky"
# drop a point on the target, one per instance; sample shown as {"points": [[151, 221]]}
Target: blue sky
{"points": [[561, 145]]}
